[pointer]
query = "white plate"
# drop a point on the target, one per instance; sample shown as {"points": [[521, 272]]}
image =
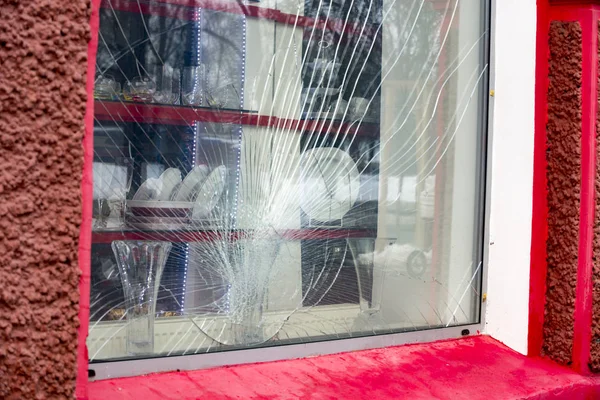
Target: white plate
{"points": [[148, 190], [190, 184], [169, 179], [210, 193], [330, 183]]}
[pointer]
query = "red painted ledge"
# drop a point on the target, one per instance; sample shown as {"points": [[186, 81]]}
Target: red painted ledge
{"points": [[470, 368]]}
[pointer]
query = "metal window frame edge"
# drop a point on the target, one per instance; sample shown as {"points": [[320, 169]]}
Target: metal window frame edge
{"points": [[488, 134], [128, 368]]}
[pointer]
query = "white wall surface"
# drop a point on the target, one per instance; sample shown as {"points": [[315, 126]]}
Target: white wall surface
{"points": [[512, 130]]}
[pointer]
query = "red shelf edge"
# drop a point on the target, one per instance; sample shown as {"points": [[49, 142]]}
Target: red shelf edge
{"points": [[202, 236], [160, 114]]}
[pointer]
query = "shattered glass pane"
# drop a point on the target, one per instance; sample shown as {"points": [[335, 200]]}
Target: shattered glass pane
{"points": [[269, 173]]}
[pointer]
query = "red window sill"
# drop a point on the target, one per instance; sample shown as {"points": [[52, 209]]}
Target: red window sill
{"points": [[469, 368]]}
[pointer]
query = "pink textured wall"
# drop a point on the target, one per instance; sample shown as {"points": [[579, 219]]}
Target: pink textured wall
{"points": [[563, 155], [43, 62]]}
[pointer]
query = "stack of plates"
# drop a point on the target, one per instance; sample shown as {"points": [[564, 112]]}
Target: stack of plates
{"points": [[168, 202]]}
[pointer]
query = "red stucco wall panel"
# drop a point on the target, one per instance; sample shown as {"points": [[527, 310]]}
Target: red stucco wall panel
{"points": [[564, 182], [43, 62]]}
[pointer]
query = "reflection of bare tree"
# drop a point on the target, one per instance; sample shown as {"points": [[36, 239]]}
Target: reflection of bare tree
{"points": [[130, 43], [415, 28], [135, 44]]}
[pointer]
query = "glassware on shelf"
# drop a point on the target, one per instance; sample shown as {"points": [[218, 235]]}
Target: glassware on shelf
{"points": [[192, 89], [141, 264], [102, 179], [119, 187], [168, 85], [225, 96], [220, 92], [106, 88], [139, 89], [117, 92]]}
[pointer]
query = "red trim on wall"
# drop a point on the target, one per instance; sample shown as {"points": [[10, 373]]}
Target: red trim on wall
{"points": [[85, 233], [537, 280], [587, 16], [583, 301]]}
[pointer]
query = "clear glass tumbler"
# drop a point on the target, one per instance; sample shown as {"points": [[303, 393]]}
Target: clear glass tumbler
{"points": [[120, 185], [139, 89], [168, 85]]}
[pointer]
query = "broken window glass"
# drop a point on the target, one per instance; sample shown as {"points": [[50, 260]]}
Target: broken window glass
{"points": [[269, 173]]}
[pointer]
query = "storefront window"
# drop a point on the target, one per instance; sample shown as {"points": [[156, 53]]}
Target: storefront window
{"points": [[269, 173]]}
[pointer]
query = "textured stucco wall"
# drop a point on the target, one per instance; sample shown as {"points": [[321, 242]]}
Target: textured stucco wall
{"points": [[564, 182], [43, 60]]}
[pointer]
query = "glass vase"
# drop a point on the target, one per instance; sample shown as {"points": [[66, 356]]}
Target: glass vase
{"points": [[141, 265]]}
